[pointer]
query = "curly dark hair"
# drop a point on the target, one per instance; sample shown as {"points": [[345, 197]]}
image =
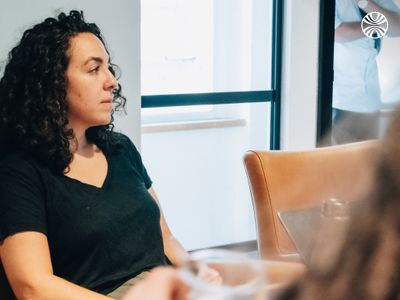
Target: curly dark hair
{"points": [[33, 104]]}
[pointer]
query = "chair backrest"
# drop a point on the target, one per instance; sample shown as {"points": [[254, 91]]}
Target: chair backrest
{"points": [[5, 289], [284, 180]]}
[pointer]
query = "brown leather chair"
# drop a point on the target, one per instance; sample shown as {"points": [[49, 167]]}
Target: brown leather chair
{"points": [[284, 180], [5, 289]]}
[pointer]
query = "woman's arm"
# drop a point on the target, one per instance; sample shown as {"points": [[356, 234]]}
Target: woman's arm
{"points": [[175, 251], [27, 263], [172, 247]]}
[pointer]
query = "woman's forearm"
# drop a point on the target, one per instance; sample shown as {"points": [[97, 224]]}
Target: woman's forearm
{"points": [[55, 288], [175, 251]]}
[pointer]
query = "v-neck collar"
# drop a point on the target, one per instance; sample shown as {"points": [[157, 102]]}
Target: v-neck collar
{"points": [[91, 186]]}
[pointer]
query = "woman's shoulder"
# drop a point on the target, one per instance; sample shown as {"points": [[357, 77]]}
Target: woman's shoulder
{"points": [[125, 147], [24, 174], [15, 159], [21, 163], [123, 141]]}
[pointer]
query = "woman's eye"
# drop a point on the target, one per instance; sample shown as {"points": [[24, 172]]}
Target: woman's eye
{"points": [[95, 70]]}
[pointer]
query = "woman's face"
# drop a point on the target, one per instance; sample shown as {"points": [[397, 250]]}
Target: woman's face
{"points": [[90, 84]]}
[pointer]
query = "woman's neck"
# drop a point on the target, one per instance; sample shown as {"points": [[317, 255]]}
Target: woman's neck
{"points": [[80, 144]]}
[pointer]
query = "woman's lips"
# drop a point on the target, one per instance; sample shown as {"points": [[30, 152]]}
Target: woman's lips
{"points": [[108, 103]]}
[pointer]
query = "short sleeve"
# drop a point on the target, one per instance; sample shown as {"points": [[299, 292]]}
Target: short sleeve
{"points": [[137, 161], [22, 201]]}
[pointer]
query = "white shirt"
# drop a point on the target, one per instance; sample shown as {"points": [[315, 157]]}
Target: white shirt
{"points": [[356, 82]]}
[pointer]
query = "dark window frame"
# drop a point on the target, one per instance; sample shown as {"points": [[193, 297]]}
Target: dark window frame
{"points": [[273, 96], [325, 69]]}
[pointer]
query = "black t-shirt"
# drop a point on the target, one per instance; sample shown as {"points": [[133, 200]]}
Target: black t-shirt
{"points": [[98, 237]]}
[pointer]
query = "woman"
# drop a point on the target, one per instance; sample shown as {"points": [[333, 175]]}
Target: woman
{"points": [[78, 215]]}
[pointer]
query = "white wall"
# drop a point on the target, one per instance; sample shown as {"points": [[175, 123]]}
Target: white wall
{"points": [[300, 74], [120, 25], [201, 182]]}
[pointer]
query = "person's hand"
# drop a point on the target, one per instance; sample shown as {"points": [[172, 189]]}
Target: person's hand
{"points": [[162, 283], [209, 275]]}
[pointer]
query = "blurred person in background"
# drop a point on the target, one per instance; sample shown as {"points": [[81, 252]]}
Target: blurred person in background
{"points": [[356, 96]]}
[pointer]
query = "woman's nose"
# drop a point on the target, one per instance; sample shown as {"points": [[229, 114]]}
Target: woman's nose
{"points": [[111, 82]]}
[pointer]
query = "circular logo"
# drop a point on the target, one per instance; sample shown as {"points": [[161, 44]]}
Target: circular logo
{"points": [[374, 25]]}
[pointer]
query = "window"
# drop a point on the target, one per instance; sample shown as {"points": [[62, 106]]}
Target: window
{"points": [[208, 78]]}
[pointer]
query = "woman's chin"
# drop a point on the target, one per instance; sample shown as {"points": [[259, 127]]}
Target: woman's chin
{"points": [[102, 122]]}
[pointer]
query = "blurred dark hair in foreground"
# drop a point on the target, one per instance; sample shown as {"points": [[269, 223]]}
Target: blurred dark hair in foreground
{"points": [[368, 266]]}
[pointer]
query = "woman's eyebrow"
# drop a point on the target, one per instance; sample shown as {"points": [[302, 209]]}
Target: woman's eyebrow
{"points": [[96, 59]]}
